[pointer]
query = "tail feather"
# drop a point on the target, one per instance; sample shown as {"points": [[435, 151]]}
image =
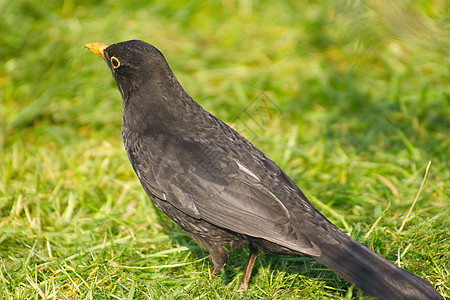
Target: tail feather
{"points": [[372, 273]]}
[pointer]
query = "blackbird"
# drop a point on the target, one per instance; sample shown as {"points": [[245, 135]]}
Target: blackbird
{"points": [[222, 190]]}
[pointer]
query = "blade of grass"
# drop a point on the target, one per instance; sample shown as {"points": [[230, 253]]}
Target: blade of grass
{"points": [[415, 200]]}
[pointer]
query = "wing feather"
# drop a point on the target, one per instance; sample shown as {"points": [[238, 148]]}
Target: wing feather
{"points": [[203, 180]]}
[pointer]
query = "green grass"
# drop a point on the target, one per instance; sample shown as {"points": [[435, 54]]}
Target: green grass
{"points": [[350, 98]]}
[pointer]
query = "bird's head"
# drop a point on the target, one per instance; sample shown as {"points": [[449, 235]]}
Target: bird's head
{"points": [[135, 65]]}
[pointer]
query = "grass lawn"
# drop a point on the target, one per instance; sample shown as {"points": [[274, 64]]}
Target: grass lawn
{"points": [[350, 98]]}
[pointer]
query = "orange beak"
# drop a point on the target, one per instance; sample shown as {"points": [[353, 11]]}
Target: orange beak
{"points": [[97, 48]]}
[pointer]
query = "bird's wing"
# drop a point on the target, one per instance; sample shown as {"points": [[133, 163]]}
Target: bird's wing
{"points": [[222, 185]]}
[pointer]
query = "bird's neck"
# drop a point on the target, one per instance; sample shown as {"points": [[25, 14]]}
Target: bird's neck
{"points": [[155, 109]]}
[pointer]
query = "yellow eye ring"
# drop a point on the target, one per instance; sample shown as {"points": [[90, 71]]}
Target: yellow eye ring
{"points": [[115, 62]]}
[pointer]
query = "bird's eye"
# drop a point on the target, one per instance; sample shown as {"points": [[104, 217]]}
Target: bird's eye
{"points": [[115, 62]]}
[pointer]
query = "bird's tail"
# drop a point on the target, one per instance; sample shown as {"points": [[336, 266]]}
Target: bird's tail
{"points": [[372, 273]]}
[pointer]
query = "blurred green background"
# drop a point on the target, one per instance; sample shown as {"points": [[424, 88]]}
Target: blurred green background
{"points": [[350, 98]]}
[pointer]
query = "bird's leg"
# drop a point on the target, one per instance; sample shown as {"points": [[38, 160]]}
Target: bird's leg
{"points": [[218, 255], [248, 267]]}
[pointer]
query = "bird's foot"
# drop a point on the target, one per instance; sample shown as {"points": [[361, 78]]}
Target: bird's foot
{"points": [[213, 272], [243, 287]]}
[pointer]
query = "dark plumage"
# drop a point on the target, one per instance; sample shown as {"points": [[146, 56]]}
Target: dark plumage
{"points": [[222, 190]]}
